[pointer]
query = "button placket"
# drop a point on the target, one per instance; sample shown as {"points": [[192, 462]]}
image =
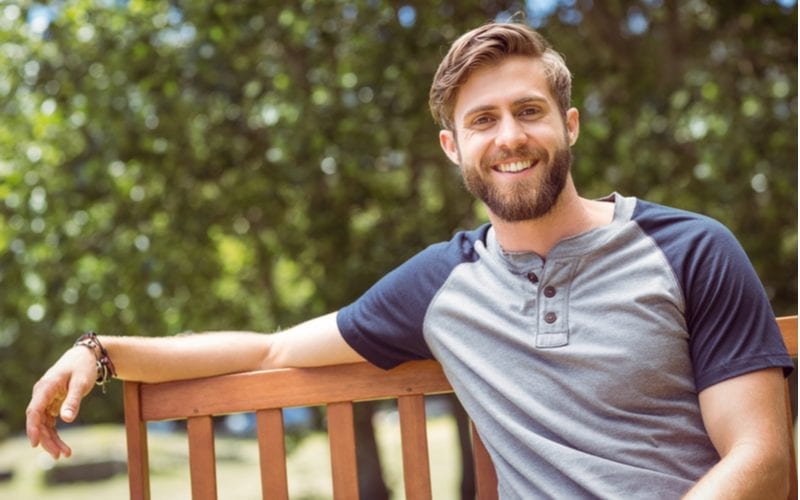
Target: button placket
{"points": [[529, 292], [553, 301]]}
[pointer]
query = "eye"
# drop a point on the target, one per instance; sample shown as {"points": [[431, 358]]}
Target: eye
{"points": [[482, 121], [530, 111]]}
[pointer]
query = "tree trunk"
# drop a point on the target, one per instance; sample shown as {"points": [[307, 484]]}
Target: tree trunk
{"points": [[465, 440], [370, 475]]}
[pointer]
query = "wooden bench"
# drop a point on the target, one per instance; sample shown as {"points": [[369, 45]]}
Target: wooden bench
{"points": [[337, 388]]}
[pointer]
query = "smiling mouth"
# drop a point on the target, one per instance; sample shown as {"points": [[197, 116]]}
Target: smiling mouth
{"points": [[514, 167]]}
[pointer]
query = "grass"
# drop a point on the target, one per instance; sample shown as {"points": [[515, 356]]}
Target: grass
{"points": [[237, 464]]}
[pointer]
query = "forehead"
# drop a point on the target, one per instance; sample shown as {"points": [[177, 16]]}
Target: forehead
{"points": [[502, 83]]}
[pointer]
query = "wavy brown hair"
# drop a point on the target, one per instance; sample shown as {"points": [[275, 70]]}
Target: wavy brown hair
{"points": [[488, 45]]}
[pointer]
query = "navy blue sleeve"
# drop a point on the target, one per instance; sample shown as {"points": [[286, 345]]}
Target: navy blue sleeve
{"points": [[731, 325], [385, 325]]}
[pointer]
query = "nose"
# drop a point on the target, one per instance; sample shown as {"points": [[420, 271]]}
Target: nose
{"points": [[510, 134]]}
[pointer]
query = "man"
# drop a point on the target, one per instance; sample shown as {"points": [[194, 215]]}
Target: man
{"points": [[604, 348]]}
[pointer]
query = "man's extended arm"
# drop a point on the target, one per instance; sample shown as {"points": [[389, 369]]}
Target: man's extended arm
{"points": [[745, 419], [156, 359]]}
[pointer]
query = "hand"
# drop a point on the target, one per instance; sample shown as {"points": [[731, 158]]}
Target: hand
{"points": [[58, 394]]}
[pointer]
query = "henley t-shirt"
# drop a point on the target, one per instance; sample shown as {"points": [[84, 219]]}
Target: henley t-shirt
{"points": [[581, 371]]}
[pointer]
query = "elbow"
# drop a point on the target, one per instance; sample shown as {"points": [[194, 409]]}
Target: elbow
{"points": [[781, 477], [781, 486], [784, 484]]}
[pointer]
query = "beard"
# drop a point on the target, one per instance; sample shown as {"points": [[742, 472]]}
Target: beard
{"points": [[529, 199]]}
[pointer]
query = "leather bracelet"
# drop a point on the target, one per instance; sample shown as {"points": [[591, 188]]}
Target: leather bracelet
{"points": [[105, 367]]}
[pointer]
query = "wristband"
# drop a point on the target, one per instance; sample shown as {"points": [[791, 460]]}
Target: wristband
{"points": [[105, 368]]}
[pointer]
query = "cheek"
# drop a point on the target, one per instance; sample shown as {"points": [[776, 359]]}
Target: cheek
{"points": [[472, 145]]}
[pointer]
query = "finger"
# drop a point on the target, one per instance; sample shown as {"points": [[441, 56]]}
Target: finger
{"points": [[56, 444], [36, 417], [46, 396], [51, 442], [53, 445], [41, 430], [38, 413], [33, 419]]}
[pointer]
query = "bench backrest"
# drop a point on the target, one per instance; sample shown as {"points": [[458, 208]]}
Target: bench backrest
{"points": [[337, 387], [266, 393]]}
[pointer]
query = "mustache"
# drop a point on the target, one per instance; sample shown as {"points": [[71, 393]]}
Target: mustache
{"points": [[523, 153]]}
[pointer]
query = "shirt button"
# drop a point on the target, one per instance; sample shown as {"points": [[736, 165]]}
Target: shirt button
{"points": [[549, 292], [533, 278], [550, 317]]}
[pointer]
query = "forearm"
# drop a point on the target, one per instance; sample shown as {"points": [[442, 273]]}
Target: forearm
{"points": [[747, 472], [316, 342], [157, 359]]}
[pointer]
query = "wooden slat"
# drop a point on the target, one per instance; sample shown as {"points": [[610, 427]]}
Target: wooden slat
{"points": [[414, 439], [202, 460], [792, 455], [246, 392], [136, 436], [788, 326], [343, 451], [272, 454], [485, 475]]}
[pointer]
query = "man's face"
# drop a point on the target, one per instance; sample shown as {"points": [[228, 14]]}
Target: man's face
{"points": [[510, 140]]}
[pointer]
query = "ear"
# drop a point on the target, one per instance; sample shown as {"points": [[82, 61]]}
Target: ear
{"points": [[449, 145], [573, 125]]}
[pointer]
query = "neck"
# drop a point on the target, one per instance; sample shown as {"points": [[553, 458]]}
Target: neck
{"points": [[571, 215]]}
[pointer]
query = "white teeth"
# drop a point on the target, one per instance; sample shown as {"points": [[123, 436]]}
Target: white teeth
{"points": [[516, 166]]}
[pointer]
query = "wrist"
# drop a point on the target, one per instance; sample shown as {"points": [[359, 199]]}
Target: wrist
{"points": [[104, 365]]}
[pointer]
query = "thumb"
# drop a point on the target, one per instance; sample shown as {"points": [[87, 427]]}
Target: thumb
{"points": [[72, 402]]}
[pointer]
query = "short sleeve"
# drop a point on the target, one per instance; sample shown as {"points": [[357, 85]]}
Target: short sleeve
{"points": [[731, 325], [385, 325]]}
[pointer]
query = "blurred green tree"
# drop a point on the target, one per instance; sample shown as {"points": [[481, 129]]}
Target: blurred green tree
{"points": [[174, 166]]}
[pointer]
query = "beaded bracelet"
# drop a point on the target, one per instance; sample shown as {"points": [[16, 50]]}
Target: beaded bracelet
{"points": [[105, 368]]}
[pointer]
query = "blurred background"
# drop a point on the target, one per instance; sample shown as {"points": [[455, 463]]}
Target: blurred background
{"points": [[171, 166]]}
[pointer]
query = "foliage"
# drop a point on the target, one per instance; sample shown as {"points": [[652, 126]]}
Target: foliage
{"points": [[174, 166]]}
